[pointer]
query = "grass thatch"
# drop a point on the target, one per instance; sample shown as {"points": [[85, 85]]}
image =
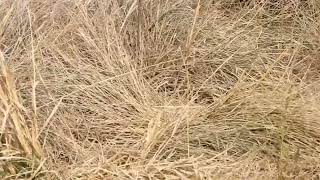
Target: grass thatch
{"points": [[159, 89]]}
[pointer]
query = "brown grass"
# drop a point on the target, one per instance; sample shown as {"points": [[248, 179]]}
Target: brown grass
{"points": [[141, 89]]}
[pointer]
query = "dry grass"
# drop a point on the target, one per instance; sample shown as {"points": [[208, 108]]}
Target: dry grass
{"points": [[141, 89]]}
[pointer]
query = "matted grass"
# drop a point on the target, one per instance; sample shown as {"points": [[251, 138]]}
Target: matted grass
{"points": [[155, 89]]}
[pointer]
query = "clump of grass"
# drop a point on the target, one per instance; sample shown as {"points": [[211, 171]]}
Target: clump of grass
{"points": [[20, 149], [159, 89]]}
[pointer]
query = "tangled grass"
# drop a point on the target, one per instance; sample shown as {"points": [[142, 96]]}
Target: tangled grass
{"points": [[153, 89]]}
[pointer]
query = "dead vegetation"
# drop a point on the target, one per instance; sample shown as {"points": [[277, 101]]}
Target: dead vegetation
{"points": [[152, 89]]}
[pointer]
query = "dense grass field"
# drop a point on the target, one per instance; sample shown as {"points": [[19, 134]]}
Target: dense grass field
{"points": [[160, 89]]}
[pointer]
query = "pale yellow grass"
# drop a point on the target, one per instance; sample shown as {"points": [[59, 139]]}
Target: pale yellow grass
{"points": [[154, 89]]}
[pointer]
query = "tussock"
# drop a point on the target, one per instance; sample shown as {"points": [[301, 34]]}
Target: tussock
{"points": [[159, 89]]}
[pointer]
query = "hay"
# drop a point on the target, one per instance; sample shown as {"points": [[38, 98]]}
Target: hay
{"points": [[159, 89]]}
